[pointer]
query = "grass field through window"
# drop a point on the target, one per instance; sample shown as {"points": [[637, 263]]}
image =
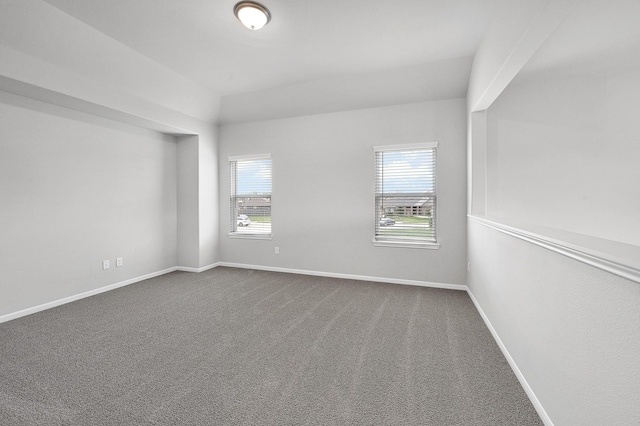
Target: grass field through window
{"points": [[408, 226]]}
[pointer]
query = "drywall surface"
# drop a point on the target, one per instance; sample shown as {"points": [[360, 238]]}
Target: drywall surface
{"points": [[74, 193], [426, 82], [573, 330], [197, 200], [208, 197], [188, 242], [516, 31], [323, 191], [559, 155], [46, 47], [562, 152]]}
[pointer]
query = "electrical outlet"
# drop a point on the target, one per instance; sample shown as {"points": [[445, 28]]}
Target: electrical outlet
{"points": [[105, 264], [277, 250], [119, 261]]}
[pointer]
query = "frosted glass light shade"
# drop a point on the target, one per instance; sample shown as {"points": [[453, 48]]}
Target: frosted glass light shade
{"points": [[252, 15]]}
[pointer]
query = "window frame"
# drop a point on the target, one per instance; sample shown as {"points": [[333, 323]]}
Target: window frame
{"points": [[379, 241], [233, 211]]}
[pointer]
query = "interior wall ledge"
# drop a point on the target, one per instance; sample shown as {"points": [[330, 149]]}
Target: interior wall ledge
{"points": [[47, 96], [612, 256]]}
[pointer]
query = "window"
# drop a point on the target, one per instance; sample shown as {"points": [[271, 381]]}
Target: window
{"points": [[405, 202], [250, 200]]}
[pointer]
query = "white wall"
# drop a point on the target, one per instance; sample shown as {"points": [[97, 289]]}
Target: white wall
{"points": [[563, 152], [188, 243], [42, 45], [572, 329], [411, 84], [75, 191], [323, 191], [561, 142], [59, 60], [208, 197], [197, 201]]}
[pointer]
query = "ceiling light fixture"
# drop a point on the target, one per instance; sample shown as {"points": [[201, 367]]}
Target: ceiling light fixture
{"points": [[252, 15]]}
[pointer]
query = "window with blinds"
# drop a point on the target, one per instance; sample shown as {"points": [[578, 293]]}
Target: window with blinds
{"points": [[405, 194], [250, 199]]}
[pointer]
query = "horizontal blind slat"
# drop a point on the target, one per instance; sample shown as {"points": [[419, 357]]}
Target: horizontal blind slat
{"points": [[405, 189], [251, 195]]}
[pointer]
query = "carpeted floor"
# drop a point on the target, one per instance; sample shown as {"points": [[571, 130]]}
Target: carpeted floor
{"points": [[233, 346]]}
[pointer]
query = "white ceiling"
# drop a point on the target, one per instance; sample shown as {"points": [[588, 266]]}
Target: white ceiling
{"points": [[314, 56], [306, 40], [194, 58], [597, 37]]}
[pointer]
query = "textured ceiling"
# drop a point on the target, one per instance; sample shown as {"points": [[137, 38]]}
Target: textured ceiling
{"points": [[306, 40]]}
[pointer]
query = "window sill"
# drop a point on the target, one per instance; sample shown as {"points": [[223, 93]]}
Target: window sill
{"points": [[251, 236], [406, 244]]}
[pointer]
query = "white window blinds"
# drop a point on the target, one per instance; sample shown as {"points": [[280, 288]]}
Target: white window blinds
{"points": [[405, 193], [250, 201]]}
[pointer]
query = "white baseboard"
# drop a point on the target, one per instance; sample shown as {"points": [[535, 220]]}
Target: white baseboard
{"points": [[534, 400], [190, 269], [523, 381], [53, 304], [346, 276]]}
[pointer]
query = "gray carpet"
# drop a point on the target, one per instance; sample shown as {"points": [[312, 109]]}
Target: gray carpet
{"points": [[232, 346]]}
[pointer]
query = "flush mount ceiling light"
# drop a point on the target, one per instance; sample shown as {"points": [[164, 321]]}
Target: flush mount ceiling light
{"points": [[252, 15]]}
